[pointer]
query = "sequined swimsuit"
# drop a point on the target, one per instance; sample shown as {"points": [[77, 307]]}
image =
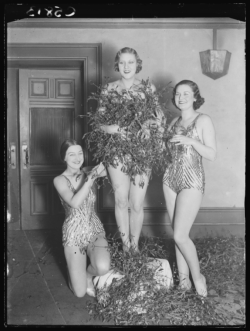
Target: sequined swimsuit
{"points": [[186, 170], [81, 225]]}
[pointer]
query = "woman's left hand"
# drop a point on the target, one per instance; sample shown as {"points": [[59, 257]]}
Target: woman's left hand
{"points": [[159, 117], [99, 171], [145, 135], [125, 134], [179, 139]]}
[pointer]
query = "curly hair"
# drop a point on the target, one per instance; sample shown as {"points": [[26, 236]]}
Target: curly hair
{"points": [[130, 51], [199, 100], [65, 145]]}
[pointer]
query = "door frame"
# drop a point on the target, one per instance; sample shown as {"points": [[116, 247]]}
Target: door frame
{"points": [[87, 57]]}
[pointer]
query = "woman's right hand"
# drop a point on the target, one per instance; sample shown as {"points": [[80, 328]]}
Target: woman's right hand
{"points": [[102, 109], [98, 171], [111, 129], [125, 134]]}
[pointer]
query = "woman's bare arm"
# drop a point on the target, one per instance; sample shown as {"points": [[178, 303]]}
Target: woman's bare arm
{"points": [[75, 200], [208, 149]]}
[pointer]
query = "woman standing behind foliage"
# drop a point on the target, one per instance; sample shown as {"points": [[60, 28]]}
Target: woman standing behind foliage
{"points": [[83, 233], [128, 63], [192, 137]]}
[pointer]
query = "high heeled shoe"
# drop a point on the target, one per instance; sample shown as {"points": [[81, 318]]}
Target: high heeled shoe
{"points": [[185, 285], [202, 292], [126, 248], [91, 292]]}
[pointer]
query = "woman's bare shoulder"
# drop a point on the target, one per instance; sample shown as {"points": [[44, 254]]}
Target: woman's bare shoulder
{"points": [[204, 119], [59, 180], [109, 87], [113, 85], [139, 84]]}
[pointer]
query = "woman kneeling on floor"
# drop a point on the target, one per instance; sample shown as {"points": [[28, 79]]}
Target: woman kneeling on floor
{"points": [[82, 230]]}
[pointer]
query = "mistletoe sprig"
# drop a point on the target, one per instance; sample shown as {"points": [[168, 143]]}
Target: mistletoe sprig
{"points": [[135, 111]]}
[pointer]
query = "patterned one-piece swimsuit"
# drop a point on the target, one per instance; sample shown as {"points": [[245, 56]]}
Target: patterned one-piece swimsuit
{"points": [[186, 170], [81, 225]]}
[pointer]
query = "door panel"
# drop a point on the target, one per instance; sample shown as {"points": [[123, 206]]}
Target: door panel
{"points": [[48, 128], [50, 101]]}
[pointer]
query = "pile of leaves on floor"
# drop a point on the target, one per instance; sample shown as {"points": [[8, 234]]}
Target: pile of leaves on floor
{"points": [[222, 261]]}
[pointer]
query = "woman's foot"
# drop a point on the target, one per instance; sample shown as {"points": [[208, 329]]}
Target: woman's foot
{"points": [[185, 284], [91, 292], [90, 286], [201, 286], [135, 250], [126, 247], [134, 246]]}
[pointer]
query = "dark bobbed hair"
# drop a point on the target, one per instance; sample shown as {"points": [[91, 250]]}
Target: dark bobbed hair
{"points": [[65, 145], [199, 100], [130, 51]]}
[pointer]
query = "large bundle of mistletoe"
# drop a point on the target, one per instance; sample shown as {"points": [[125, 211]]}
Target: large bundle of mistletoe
{"points": [[142, 148], [139, 298]]}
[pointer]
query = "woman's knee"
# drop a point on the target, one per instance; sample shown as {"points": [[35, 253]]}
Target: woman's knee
{"points": [[180, 238], [80, 294], [103, 267], [79, 291], [136, 206], [121, 202]]}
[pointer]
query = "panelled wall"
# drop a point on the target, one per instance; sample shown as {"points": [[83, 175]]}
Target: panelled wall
{"points": [[170, 50]]}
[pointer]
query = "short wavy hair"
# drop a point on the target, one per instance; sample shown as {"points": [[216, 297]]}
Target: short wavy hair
{"points": [[65, 145], [199, 100], [130, 51]]}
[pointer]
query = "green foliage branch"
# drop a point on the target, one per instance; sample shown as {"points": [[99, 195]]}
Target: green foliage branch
{"points": [[134, 111]]}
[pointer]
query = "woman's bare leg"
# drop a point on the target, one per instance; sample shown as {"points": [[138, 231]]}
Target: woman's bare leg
{"points": [[121, 184], [183, 269], [99, 255], [76, 263], [98, 252], [136, 199], [187, 206]]}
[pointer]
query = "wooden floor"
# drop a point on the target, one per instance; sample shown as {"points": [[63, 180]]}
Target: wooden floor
{"points": [[37, 292]]}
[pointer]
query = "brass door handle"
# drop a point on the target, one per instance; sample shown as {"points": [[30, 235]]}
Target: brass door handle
{"points": [[25, 154], [12, 156]]}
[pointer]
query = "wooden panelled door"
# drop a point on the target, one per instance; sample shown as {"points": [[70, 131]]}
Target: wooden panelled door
{"points": [[49, 103]]}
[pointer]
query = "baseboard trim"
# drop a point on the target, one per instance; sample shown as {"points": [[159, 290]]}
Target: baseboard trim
{"points": [[207, 216]]}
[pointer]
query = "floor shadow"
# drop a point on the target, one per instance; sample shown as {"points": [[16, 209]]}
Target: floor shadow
{"points": [[55, 248]]}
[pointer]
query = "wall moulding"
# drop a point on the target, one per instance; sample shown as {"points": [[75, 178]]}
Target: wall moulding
{"points": [[122, 23]]}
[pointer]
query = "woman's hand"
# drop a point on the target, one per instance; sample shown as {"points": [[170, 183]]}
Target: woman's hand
{"points": [[115, 129], [98, 171], [179, 139], [102, 109], [145, 135], [111, 129], [159, 116], [158, 120], [125, 134]]}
